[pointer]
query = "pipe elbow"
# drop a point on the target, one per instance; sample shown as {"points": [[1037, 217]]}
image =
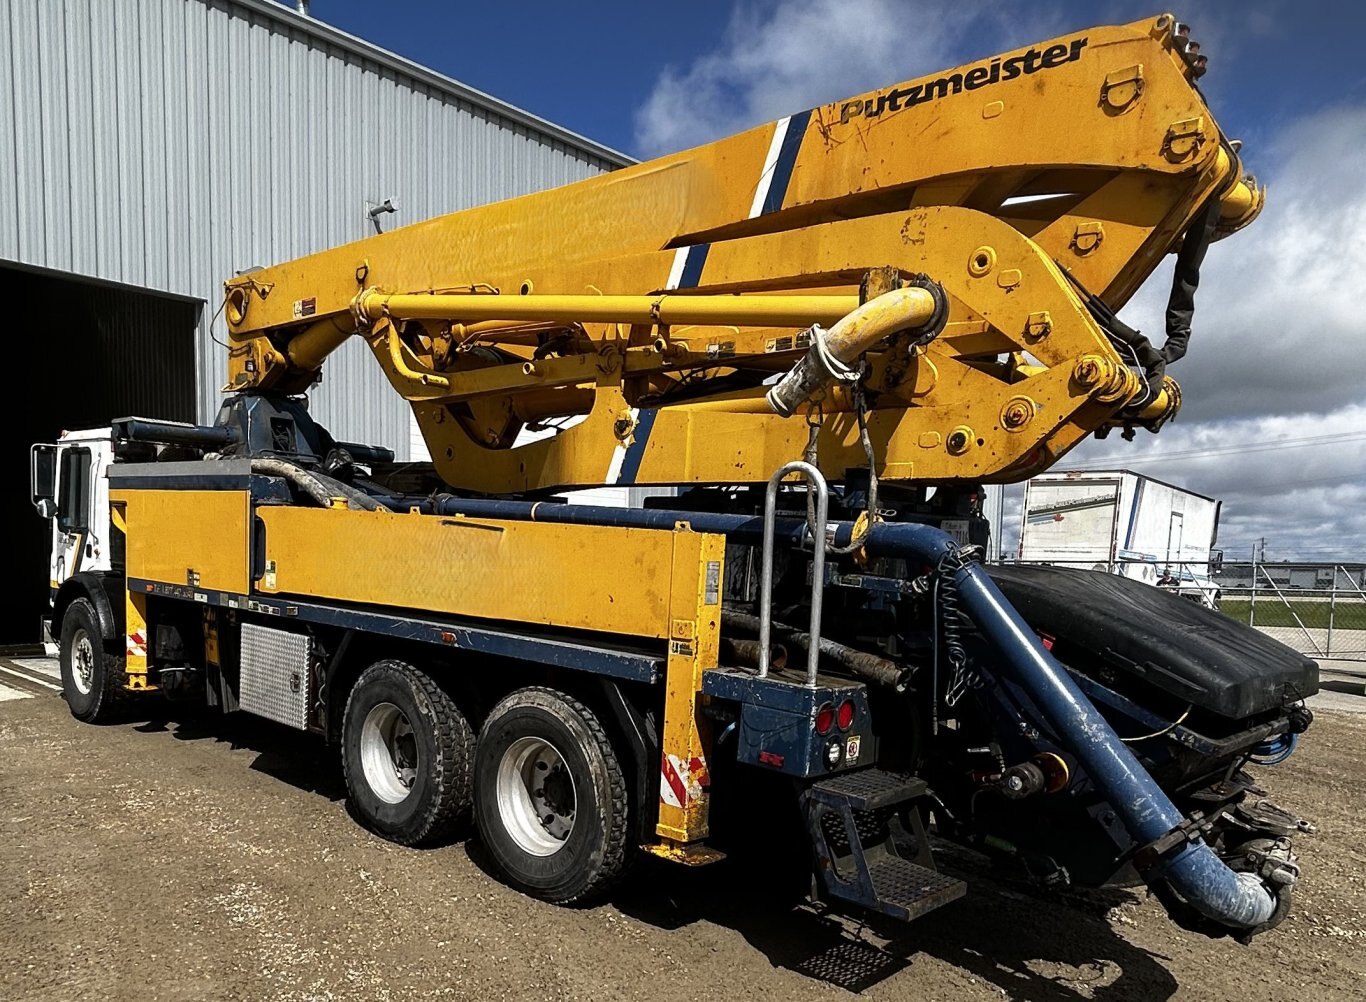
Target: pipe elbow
{"points": [[1240, 206], [1237, 903], [834, 354]]}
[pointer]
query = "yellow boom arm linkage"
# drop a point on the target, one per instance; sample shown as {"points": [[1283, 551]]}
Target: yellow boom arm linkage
{"points": [[647, 312]]}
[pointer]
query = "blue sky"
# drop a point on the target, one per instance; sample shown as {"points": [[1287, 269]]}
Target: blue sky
{"points": [[1279, 351], [592, 67]]}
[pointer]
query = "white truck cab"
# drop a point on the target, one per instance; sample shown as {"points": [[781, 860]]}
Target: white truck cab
{"points": [[70, 489]]}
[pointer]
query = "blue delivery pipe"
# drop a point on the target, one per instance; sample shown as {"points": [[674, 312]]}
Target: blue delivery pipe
{"points": [[1237, 900]]}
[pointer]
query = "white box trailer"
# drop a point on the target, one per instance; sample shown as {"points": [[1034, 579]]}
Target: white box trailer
{"points": [[1125, 523]]}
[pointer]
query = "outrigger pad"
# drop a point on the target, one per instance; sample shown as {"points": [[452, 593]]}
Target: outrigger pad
{"points": [[1198, 655]]}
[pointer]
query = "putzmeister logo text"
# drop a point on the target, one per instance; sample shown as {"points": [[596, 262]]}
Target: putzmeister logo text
{"points": [[954, 83]]}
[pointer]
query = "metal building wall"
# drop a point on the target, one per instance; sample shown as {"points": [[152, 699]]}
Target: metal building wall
{"points": [[167, 144]]}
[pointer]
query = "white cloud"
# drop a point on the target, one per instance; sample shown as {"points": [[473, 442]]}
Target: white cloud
{"points": [[1278, 323], [776, 59]]}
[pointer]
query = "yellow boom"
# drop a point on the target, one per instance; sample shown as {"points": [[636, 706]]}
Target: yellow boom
{"points": [[1018, 201]]}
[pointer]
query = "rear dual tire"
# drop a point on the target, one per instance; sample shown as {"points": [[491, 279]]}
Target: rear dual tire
{"points": [[543, 781], [406, 754], [550, 797]]}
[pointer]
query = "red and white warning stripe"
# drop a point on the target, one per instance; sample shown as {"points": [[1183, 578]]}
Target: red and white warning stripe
{"points": [[137, 644], [681, 781]]}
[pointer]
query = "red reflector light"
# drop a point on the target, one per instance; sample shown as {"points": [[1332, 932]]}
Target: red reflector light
{"points": [[846, 714], [825, 719], [771, 758]]}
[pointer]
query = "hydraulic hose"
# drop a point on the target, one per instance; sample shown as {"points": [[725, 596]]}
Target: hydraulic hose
{"points": [[318, 486], [868, 667], [1239, 901]]}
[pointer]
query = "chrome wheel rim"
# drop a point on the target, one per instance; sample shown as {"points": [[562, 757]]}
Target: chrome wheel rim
{"points": [[388, 753], [536, 796], [82, 662]]}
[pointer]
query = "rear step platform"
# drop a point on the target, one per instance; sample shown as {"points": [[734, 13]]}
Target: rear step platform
{"points": [[854, 820], [869, 789], [906, 890]]}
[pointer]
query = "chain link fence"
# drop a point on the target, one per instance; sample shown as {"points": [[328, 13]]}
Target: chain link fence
{"points": [[1322, 622]]}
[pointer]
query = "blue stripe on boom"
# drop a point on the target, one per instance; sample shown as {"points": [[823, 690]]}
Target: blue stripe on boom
{"points": [[787, 159], [630, 463], [692, 266], [691, 276]]}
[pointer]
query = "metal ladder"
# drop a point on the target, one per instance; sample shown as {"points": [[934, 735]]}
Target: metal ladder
{"points": [[816, 480]]}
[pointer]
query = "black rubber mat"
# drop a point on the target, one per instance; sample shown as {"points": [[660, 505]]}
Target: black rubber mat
{"points": [[1182, 648]]}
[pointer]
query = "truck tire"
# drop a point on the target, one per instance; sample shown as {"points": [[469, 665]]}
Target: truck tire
{"points": [[93, 680], [406, 754], [550, 800]]}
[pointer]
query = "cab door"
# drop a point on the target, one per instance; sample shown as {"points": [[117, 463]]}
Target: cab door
{"points": [[43, 479], [73, 543]]}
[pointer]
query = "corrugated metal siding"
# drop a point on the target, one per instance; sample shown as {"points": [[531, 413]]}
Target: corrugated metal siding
{"points": [[167, 144]]}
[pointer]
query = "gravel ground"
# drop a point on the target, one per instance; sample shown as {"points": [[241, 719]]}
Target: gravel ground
{"points": [[204, 858]]}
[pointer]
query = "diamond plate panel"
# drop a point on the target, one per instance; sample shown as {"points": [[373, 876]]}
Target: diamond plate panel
{"points": [[905, 889], [870, 789], [275, 668]]}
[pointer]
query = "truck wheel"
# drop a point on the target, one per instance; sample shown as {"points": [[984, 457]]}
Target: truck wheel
{"points": [[550, 800], [406, 753], [93, 680]]}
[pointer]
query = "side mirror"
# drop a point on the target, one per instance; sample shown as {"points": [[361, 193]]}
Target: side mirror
{"points": [[47, 508], [42, 465]]}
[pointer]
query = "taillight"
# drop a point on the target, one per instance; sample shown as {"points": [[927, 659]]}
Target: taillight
{"points": [[845, 714], [825, 719]]}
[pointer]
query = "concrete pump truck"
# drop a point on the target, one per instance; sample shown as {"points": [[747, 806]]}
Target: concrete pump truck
{"points": [[826, 334]]}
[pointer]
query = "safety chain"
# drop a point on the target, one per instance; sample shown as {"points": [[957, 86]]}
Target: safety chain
{"points": [[815, 418]]}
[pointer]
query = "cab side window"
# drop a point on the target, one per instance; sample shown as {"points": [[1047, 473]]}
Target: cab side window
{"points": [[73, 491]]}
